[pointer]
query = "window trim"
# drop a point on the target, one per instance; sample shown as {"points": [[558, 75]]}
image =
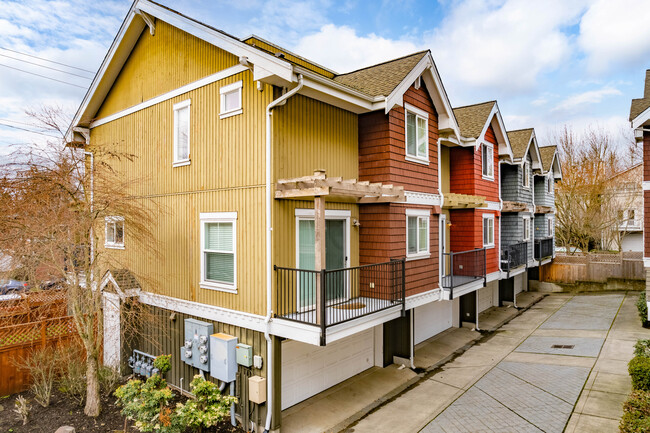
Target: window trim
{"points": [[112, 220], [526, 183], [424, 214], [424, 115], [230, 88], [488, 217], [550, 227], [218, 217], [490, 146], [528, 220], [176, 107]]}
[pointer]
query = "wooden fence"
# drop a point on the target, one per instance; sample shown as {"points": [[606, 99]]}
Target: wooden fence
{"points": [[18, 340], [593, 267], [32, 307]]}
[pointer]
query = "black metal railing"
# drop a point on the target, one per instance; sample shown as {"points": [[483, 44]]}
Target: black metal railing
{"points": [[329, 297], [463, 267], [514, 256], [544, 247]]}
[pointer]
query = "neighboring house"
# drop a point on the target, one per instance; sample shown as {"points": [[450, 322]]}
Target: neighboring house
{"points": [[627, 211], [640, 122], [328, 221], [544, 185], [518, 213], [471, 209]]}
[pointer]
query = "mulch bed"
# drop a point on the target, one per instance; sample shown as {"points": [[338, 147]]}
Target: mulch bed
{"points": [[62, 412]]}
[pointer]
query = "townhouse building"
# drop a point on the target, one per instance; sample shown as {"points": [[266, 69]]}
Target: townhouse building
{"points": [[329, 222], [640, 123]]}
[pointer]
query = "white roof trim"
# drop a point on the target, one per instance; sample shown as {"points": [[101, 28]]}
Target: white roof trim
{"points": [[499, 132], [642, 118]]}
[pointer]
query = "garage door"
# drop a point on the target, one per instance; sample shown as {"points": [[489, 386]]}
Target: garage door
{"points": [[485, 296], [308, 370], [431, 319], [519, 283]]}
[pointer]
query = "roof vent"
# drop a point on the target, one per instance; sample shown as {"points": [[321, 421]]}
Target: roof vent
{"points": [[279, 55]]}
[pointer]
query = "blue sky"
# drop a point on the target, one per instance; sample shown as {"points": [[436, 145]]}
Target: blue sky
{"points": [[547, 63]]}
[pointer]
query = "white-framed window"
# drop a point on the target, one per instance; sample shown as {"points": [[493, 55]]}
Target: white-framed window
{"points": [[549, 186], [487, 160], [488, 231], [526, 174], [182, 133], [219, 251], [631, 216], [416, 134], [527, 226], [550, 226], [114, 232], [231, 104], [417, 233]]}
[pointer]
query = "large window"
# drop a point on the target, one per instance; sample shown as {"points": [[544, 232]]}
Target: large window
{"points": [[114, 232], [417, 233], [231, 100], [487, 158], [526, 174], [182, 133], [219, 251], [417, 134], [527, 224], [488, 231]]}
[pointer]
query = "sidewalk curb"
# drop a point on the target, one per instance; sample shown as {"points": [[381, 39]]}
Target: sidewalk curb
{"points": [[423, 375]]}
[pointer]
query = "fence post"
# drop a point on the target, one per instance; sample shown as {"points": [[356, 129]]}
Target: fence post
{"points": [[403, 286], [43, 334], [451, 274]]}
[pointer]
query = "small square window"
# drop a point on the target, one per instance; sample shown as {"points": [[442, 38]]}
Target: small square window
{"points": [[182, 133], [417, 134], [218, 251], [417, 233], [231, 100], [487, 158], [114, 232], [488, 231]]}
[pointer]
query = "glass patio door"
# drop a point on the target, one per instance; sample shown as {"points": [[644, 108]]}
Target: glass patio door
{"points": [[335, 258]]}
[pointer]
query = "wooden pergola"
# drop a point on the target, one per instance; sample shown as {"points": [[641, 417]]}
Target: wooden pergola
{"points": [[322, 188], [463, 201]]}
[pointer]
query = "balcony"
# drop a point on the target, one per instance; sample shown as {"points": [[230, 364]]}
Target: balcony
{"points": [[463, 268], [329, 297], [544, 248], [514, 256]]}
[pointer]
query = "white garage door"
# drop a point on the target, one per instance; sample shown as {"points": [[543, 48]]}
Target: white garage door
{"points": [[519, 283], [308, 370], [485, 298], [431, 319]]}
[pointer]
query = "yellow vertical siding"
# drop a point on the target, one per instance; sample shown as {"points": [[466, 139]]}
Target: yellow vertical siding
{"points": [[444, 169], [272, 49], [161, 63]]}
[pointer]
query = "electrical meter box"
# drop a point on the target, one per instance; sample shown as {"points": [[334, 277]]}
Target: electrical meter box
{"points": [[257, 389], [223, 359], [244, 355], [196, 349]]}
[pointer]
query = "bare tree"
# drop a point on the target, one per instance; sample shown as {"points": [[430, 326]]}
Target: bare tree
{"points": [[53, 204]]}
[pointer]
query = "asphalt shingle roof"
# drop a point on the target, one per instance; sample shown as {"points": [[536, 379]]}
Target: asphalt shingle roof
{"points": [[547, 153], [519, 140], [472, 118], [640, 105], [381, 79]]}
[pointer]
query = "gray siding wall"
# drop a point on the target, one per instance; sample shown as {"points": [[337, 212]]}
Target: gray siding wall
{"points": [[512, 183], [542, 197], [541, 226], [512, 230]]}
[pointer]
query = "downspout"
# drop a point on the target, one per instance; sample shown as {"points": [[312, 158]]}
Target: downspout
{"points": [[442, 204], [269, 262], [411, 359]]}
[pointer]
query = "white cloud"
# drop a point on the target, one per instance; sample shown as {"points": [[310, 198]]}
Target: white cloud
{"points": [[341, 49], [579, 100], [503, 48], [615, 32]]}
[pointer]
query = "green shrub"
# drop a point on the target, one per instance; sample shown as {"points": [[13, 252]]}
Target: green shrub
{"points": [[642, 306], [209, 407], [642, 348], [636, 413], [163, 364], [639, 368]]}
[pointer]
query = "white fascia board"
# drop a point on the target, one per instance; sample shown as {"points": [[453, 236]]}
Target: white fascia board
{"points": [[503, 144], [446, 118], [536, 155], [355, 326], [277, 66], [519, 270], [468, 288], [118, 52], [642, 118], [420, 299], [557, 168], [330, 91]]}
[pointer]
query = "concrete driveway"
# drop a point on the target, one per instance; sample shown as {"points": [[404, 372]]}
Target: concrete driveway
{"points": [[560, 365]]}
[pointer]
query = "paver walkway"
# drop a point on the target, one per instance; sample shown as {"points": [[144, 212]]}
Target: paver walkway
{"points": [[560, 365]]}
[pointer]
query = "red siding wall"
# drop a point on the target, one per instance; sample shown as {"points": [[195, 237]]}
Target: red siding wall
{"points": [[382, 236], [646, 156], [382, 150], [466, 170], [466, 233], [646, 194]]}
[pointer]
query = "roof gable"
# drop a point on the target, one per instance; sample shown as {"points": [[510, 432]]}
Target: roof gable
{"points": [[473, 118], [641, 105], [551, 161]]}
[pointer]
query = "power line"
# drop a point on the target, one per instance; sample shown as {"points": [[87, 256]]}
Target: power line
{"points": [[15, 121], [47, 67], [28, 130], [46, 60], [42, 76]]}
